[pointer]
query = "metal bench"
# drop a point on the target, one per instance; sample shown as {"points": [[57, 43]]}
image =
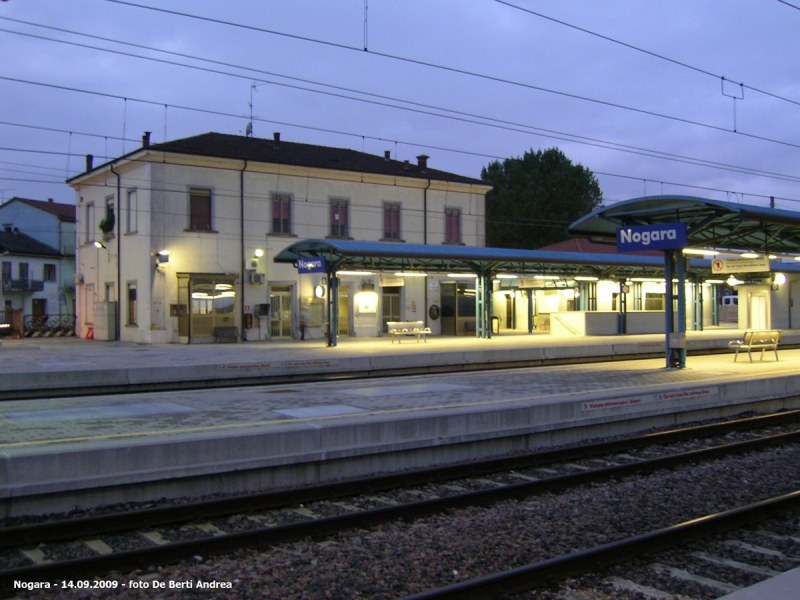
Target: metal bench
{"points": [[226, 335], [397, 329], [757, 340]]}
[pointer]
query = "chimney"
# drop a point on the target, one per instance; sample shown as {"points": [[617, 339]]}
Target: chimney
{"points": [[276, 137], [387, 154], [49, 199], [406, 165], [146, 139], [422, 162], [89, 162]]}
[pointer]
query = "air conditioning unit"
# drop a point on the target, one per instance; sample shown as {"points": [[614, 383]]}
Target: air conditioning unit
{"points": [[258, 278], [251, 264], [78, 279]]}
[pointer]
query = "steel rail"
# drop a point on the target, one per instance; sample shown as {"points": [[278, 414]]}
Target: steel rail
{"points": [[137, 559], [521, 579], [118, 522]]}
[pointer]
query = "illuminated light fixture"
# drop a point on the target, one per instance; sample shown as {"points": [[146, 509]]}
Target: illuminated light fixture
{"points": [[772, 257], [462, 275], [102, 245], [584, 278], [549, 277], [319, 291], [223, 286], [780, 278], [258, 253], [163, 256], [411, 274], [749, 255], [797, 257], [510, 276], [715, 281], [732, 281], [357, 273], [700, 251]]}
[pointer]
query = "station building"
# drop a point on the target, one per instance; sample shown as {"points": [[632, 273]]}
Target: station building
{"points": [[175, 241]]}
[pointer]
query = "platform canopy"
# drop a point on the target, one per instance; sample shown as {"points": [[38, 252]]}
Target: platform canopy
{"points": [[710, 223], [343, 255]]}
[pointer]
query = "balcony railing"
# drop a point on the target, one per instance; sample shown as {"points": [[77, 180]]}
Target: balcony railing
{"points": [[22, 285], [48, 325]]}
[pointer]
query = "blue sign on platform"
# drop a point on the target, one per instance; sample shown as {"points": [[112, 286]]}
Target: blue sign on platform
{"points": [[665, 236], [311, 265]]}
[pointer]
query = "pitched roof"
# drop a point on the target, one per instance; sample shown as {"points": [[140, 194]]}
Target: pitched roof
{"points": [[65, 212], [239, 147], [15, 242]]}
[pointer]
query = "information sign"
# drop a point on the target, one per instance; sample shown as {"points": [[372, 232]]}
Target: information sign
{"points": [[740, 265], [311, 265], [664, 236]]}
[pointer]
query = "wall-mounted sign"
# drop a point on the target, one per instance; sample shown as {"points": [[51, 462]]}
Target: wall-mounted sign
{"points": [[311, 265], [392, 281], [740, 265], [665, 236]]}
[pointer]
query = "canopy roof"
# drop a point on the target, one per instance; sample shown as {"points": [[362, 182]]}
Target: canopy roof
{"points": [[710, 223], [387, 256]]}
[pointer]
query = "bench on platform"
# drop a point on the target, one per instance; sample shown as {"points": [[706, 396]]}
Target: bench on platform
{"points": [[757, 340], [397, 329], [226, 335]]}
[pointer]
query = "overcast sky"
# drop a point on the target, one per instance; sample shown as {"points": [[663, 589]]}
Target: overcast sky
{"points": [[652, 84]]}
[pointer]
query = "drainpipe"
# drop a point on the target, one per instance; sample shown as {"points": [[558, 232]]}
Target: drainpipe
{"points": [[117, 220], [241, 233], [425, 241]]}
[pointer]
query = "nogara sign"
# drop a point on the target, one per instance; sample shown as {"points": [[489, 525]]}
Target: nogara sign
{"points": [[311, 265], [665, 236]]}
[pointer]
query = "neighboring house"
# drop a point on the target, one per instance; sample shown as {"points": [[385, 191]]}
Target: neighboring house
{"points": [[180, 236], [38, 245]]}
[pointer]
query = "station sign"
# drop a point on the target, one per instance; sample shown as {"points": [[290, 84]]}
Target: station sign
{"points": [[664, 236], [311, 265], [740, 265]]}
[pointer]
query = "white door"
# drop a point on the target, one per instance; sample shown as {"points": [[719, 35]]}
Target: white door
{"points": [[758, 312]]}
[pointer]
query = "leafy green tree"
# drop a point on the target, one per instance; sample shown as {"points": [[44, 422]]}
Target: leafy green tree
{"points": [[535, 198]]}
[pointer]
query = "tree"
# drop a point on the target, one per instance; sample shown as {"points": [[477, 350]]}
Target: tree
{"points": [[535, 198]]}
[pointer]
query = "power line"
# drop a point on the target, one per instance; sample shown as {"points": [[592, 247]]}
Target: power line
{"points": [[454, 70], [542, 132], [649, 52]]}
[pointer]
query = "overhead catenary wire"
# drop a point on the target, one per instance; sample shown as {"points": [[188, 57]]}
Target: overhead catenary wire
{"points": [[650, 52], [451, 69]]}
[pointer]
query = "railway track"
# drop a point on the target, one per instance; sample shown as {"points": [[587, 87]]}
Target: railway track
{"points": [[91, 546], [536, 575]]}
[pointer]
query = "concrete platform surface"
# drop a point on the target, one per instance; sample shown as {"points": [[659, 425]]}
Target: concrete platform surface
{"points": [[86, 450], [74, 364], [785, 586]]}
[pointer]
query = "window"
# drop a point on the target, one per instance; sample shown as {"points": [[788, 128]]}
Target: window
{"points": [[200, 210], [108, 222], [89, 214], [49, 272], [339, 218], [281, 214], [391, 221], [6, 270], [132, 212], [23, 271], [452, 225], [132, 304]]}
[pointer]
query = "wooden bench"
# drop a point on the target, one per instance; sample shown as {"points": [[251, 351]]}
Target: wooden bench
{"points": [[757, 340], [397, 329]]}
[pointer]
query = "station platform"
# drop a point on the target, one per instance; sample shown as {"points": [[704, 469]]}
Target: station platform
{"points": [[781, 587], [62, 452]]}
